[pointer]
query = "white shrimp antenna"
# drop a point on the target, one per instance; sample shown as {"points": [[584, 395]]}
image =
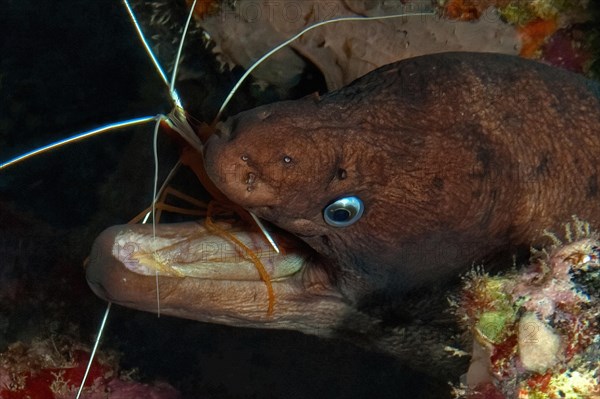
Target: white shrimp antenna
{"points": [[298, 35], [77, 137], [94, 350], [176, 119], [159, 68], [187, 133]]}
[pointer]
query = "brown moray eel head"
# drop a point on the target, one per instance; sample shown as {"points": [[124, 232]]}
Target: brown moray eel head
{"points": [[457, 158]]}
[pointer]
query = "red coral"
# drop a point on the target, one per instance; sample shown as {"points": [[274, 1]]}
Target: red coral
{"points": [[486, 390], [503, 353], [39, 371], [540, 382], [534, 35], [470, 10], [37, 383]]}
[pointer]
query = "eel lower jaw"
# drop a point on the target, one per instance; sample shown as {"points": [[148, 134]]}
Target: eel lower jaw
{"points": [[186, 271]]}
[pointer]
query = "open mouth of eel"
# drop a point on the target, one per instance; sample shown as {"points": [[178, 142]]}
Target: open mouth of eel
{"points": [[187, 270]]}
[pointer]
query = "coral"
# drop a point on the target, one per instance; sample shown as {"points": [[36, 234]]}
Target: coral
{"points": [[342, 52], [570, 49], [521, 13], [203, 7], [539, 21], [469, 10], [536, 330], [534, 35], [241, 32], [53, 369]]}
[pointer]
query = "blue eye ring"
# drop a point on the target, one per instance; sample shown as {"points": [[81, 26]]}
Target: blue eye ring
{"points": [[343, 212]]}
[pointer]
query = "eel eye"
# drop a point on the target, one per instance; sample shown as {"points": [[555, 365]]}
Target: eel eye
{"points": [[343, 212]]}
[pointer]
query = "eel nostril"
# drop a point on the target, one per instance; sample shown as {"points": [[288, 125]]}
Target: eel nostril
{"points": [[250, 178]]}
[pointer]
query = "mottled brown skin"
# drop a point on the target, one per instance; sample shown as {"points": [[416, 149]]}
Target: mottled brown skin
{"points": [[458, 158]]}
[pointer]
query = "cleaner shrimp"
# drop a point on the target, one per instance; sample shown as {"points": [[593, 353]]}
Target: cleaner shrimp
{"points": [[57, 189]]}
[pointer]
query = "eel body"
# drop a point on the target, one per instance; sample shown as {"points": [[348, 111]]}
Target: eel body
{"points": [[458, 158]]}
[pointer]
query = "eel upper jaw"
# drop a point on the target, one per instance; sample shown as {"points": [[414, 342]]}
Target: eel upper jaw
{"points": [[190, 273]]}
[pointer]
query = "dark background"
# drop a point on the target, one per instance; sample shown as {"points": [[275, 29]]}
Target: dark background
{"points": [[69, 66]]}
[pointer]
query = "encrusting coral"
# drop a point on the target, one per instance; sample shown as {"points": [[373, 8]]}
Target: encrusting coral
{"points": [[53, 368], [536, 331]]}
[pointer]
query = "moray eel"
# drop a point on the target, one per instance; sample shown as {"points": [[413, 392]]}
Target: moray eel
{"points": [[383, 192]]}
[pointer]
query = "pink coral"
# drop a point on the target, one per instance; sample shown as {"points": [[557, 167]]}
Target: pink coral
{"points": [[536, 333]]}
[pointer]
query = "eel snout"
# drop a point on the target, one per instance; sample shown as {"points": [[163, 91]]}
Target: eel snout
{"points": [[188, 272]]}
